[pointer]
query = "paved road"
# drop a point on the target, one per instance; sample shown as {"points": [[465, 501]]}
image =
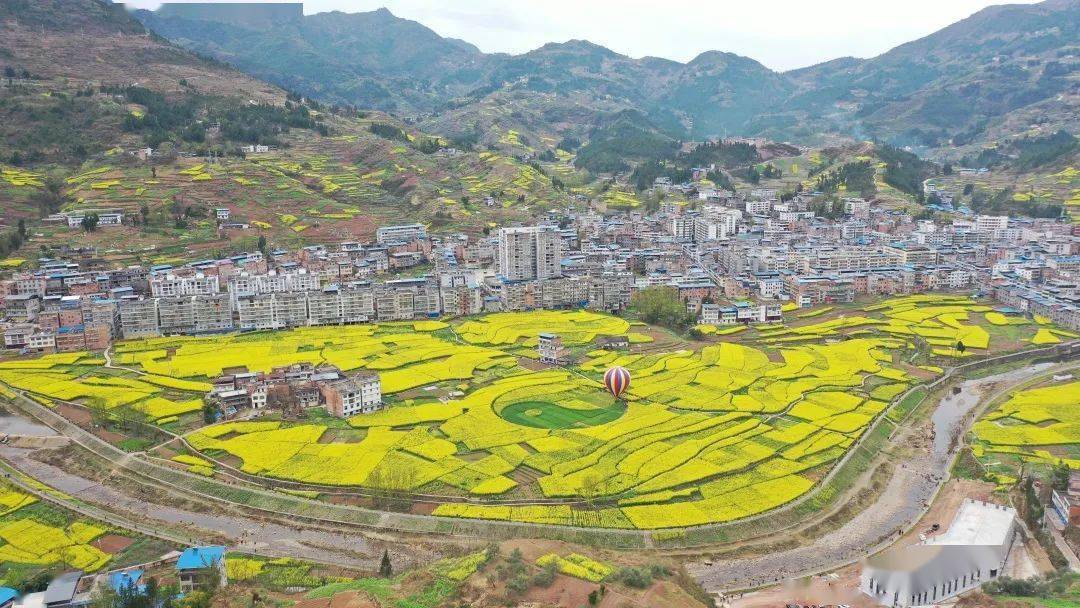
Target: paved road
{"points": [[905, 498], [243, 533]]}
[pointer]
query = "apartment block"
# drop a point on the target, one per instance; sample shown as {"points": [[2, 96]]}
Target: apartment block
{"points": [[529, 253], [139, 318]]}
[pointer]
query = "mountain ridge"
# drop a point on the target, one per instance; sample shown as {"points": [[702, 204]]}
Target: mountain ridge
{"points": [[968, 80]]}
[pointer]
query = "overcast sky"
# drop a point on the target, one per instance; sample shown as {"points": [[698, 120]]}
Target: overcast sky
{"points": [[782, 34]]}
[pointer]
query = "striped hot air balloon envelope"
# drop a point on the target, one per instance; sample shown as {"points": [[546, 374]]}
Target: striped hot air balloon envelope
{"points": [[617, 380]]}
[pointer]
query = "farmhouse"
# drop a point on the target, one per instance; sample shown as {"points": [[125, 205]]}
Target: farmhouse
{"points": [[66, 590], [613, 342], [197, 563], [551, 349], [296, 387], [971, 552], [350, 396]]}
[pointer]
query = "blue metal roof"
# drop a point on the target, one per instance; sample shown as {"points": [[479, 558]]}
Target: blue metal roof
{"points": [[125, 580], [197, 558], [7, 594]]}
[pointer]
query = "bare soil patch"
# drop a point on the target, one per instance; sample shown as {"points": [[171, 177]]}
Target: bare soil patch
{"points": [[351, 599], [423, 508], [77, 415], [565, 591], [843, 588], [112, 543], [945, 507]]}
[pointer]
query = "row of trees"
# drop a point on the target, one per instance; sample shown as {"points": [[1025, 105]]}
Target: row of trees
{"points": [[857, 176], [755, 174], [904, 170], [187, 119]]}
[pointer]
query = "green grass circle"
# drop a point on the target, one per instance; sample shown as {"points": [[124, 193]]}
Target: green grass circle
{"points": [[547, 415]]}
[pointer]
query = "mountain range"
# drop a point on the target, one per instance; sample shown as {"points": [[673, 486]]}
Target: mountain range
{"points": [[87, 88], [1006, 71]]}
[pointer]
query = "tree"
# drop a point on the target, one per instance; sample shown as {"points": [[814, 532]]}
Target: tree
{"points": [[90, 222], [638, 578], [752, 175], [104, 597], [195, 599], [209, 413], [52, 197], [262, 244], [1059, 480], [960, 348], [546, 576], [515, 574], [1033, 509], [662, 306], [39, 581], [385, 569]]}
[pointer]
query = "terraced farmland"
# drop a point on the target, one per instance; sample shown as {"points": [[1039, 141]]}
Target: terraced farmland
{"points": [[314, 189], [1038, 426], [36, 537], [747, 423]]}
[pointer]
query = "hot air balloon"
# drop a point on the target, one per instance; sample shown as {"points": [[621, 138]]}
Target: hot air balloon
{"points": [[617, 380]]}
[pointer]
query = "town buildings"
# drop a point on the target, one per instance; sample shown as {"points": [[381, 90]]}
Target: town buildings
{"points": [[351, 396], [731, 258]]}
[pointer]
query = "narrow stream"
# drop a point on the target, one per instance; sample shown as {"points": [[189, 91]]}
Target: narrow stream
{"points": [[949, 417]]}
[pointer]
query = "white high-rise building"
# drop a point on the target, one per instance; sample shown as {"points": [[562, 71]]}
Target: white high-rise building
{"points": [[529, 253], [717, 223], [991, 223]]}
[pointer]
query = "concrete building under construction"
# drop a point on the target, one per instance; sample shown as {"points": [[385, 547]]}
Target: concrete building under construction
{"points": [[971, 552]]}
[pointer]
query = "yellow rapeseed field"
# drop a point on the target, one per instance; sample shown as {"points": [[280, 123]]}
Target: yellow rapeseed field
{"points": [[727, 430]]}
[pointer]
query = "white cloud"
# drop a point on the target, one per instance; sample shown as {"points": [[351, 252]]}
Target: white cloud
{"points": [[782, 34]]}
